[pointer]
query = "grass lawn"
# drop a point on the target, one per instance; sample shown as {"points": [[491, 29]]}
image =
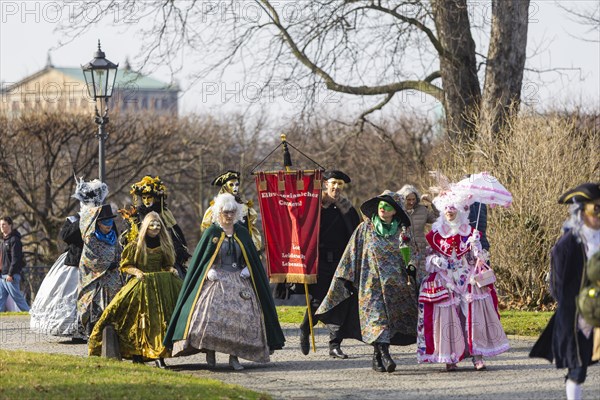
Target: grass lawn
{"points": [[28, 375], [52, 376]]}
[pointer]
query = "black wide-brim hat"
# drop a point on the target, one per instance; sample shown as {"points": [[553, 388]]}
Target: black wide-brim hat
{"points": [[583, 193], [336, 174], [225, 177], [105, 213], [369, 207]]}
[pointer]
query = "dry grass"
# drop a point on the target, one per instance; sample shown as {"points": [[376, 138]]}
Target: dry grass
{"points": [[541, 157]]}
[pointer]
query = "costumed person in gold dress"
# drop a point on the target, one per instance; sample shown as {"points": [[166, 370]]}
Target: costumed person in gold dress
{"points": [[225, 304], [141, 311], [230, 183], [150, 194]]}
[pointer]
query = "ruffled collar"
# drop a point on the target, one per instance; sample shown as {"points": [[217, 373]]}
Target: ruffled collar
{"points": [[450, 228]]}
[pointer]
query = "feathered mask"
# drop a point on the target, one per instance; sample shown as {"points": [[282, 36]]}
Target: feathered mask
{"points": [[149, 185], [90, 193]]}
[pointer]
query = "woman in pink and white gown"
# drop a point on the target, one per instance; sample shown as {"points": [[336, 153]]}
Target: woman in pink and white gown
{"points": [[457, 317]]}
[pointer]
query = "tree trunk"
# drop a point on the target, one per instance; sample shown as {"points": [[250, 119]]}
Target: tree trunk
{"points": [[462, 93], [505, 64]]}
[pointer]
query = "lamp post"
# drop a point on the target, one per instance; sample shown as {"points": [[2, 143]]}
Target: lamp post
{"points": [[100, 75]]}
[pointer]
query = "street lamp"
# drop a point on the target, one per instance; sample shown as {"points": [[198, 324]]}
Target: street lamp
{"points": [[100, 75]]}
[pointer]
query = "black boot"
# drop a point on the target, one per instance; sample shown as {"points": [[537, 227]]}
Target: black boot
{"points": [[160, 363], [137, 359], [377, 365], [386, 359]]}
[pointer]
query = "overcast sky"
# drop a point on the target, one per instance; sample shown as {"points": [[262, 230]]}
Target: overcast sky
{"points": [[27, 34]]}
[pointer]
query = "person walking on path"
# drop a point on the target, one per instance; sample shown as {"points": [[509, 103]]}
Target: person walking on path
{"points": [[98, 267], [568, 339], [225, 304], [458, 314], [142, 309], [12, 261], [338, 221], [372, 276], [54, 310]]}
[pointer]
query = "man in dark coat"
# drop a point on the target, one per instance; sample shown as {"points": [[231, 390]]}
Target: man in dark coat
{"points": [[338, 221], [568, 339], [11, 259]]}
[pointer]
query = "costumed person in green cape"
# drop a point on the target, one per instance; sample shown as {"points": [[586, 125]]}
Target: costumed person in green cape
{"points": [[372, 268], [225, 304], [568, 338], [230, 183], [141, 310], [150, 194]]}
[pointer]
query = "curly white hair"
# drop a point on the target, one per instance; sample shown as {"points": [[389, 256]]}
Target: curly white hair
{"points": [[226, 202]]}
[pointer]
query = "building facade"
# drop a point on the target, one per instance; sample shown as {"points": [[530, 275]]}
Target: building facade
{"points": [[64, 89]]}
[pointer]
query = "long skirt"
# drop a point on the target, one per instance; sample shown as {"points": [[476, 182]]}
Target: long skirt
{"points": [[140, 313], [462, 326], [226, 319], [54, 311]]}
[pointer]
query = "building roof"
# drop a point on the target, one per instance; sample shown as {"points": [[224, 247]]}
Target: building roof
{"points": [[125, 77]]}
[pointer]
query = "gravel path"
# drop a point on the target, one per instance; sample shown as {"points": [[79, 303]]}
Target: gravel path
{"points": [[291, 375]]}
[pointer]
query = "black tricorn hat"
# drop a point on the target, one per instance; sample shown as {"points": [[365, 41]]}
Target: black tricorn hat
{"points": [[335, 174], [105, 213], [369, 207], [583, 193], [225, 177]]}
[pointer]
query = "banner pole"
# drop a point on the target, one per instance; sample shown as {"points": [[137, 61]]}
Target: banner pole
{"points": [[287, 163]]}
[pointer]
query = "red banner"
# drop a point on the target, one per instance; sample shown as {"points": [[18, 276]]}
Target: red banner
{"points": [[290, 207]]}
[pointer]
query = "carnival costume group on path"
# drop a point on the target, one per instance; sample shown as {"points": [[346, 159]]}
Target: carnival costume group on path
{"points": [[440, 295]]}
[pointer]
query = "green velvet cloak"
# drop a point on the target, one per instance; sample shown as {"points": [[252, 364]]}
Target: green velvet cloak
{"points": [[202, 260]]}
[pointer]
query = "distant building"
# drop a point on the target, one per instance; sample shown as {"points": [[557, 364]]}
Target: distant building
{"points": [[64, 89]]}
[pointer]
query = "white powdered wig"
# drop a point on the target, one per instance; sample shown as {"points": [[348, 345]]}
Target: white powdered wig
{"points": [[226, 202]]}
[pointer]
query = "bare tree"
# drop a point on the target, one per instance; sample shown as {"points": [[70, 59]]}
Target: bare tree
{"points": [[374, 49], [587, 16]]}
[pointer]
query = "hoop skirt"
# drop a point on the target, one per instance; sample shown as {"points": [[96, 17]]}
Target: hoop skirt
{"points": [[54, 311], [141, 310]]}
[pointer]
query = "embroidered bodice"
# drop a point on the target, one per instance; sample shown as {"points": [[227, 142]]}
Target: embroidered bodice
{"points": [[454, 247]]}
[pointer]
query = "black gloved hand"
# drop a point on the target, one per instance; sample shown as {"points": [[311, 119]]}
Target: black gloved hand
{"points": [[349, 288], [411, 270]]}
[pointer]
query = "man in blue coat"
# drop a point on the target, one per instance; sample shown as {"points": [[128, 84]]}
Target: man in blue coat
{"points": [[568, 338]]}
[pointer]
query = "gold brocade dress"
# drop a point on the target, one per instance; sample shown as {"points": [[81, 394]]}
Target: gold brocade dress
{"points": [[142, 309]]}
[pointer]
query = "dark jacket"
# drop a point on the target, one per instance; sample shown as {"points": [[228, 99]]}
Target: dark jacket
{"points": [[12, 254], [478, 220], [336, 228], [561, 340], [71, 235]]}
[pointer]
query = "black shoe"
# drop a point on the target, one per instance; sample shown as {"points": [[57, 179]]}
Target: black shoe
{"points": [[160, 363], [336, 352], [137, 359], [304, 342], [77, 340], [377, 364], [386, 359]]}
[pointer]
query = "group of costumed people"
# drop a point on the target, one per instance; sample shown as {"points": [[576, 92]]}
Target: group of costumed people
{"points": [[440, 298], [129, 293]]}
